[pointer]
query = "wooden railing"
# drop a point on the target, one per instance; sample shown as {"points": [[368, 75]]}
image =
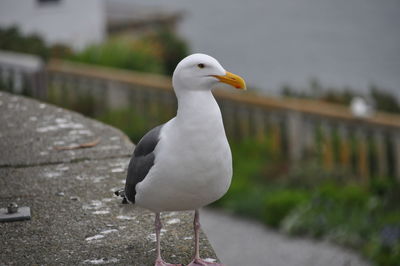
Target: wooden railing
{"points": [[297, 128]]}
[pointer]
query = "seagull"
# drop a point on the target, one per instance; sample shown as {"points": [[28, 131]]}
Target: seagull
{"points": [[185, 163], [361, 108]]}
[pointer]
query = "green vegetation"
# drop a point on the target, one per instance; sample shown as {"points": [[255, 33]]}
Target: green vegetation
{"points": [[120, 53], [13, 40], [170, 47]]}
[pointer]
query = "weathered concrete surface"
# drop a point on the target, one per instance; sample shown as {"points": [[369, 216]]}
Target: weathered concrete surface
{"points": [[76, 219], [30, 130]]}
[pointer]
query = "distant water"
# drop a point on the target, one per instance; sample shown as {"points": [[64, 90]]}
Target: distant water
{"points": [[354, 43]]}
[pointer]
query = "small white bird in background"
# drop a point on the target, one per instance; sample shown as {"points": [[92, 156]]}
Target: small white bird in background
{"points": [[185, 163], [360, 108]]}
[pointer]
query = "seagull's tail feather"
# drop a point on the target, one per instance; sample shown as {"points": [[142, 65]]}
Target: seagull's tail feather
{"points": [[121, 193]]}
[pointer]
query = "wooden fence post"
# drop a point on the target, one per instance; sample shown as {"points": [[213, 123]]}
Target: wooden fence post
{"points": [[276, 135], [396, 155], [244, 123], [381, 153], [259, 124], [294, 136], [327, 149], [309, 136], [344, 147], [362, 147]]}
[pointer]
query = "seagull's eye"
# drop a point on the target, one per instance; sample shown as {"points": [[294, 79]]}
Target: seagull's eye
{"points": [[201, 65]]}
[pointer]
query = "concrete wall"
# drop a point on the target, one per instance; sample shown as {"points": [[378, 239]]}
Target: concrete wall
{"points": [[74, 22]]}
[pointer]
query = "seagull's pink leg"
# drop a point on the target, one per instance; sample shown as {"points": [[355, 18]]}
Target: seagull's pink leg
{"points": [[159, 260], [197, 260]]}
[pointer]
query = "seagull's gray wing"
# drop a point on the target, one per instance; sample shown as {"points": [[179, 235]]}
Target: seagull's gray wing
{"points": [[141, 162]]}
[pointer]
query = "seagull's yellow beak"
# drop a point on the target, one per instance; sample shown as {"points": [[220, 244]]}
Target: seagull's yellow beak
{"points": [[233, 80]]}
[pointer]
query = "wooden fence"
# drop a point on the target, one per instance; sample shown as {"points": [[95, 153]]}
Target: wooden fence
{"points": [[297, 128]]}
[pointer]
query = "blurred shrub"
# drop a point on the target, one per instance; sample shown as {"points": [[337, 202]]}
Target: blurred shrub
{"points": [[383, 252], [60, 50], [352, 215], [347, 195], [384, 100], [13, 40], [243, 199], [172, 48], [244, 195], [278, 204], [121, 53]]}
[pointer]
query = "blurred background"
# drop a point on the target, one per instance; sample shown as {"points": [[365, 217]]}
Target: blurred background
{"points": [[315, 140]]}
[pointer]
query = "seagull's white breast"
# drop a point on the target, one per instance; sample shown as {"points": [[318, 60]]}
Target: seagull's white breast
{"points": [[193, 164]]}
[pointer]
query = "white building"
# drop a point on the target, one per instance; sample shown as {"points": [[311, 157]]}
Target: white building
{"points": [[73, 22]]}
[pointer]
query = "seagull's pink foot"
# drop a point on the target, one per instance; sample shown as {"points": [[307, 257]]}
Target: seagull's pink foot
{"points": [[160, 262], [200, 262]]}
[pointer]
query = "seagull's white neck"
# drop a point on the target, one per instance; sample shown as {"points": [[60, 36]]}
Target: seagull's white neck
{"points": [[197, 106]]}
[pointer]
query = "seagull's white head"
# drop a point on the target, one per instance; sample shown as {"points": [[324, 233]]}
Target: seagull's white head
{"points": [[203, 72]]}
